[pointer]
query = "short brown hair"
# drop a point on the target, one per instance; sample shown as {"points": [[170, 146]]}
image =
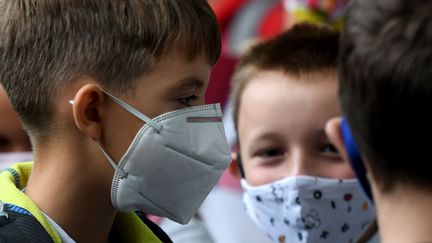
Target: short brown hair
{"points": [[46, 44], [386, 88], [304, 49]]}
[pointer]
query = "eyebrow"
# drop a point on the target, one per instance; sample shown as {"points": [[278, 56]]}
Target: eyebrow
{"points": [[320, 134], [188, 82], [268, 136]]}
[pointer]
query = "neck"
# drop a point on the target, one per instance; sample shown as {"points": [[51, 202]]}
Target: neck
{"points": [[403, 215], [68, 186]]}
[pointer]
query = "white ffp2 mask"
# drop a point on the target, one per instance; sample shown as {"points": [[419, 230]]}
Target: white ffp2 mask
{"points": [[305, 209], [172, 163]]}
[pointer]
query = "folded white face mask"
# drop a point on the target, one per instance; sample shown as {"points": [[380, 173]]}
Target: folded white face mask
{"points": [[304, 209], [172, 164], [7, 159]]}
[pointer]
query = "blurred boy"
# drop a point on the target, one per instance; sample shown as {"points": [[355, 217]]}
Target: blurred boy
{"points": [[297, 187], [386, 96], [109, 93], [14, 142]]}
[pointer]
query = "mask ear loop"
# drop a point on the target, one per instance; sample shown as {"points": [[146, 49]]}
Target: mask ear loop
{"points": [[114, 165], [240, 165], [358, 166], [370, 232], [135, 112], [123, 174], [239, 161], [355, 158]]}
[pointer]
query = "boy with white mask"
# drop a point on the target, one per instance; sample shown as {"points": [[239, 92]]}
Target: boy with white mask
{"points": [[112, 95], [297, 187]]}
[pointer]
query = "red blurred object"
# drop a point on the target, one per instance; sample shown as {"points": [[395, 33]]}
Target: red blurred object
{"points": [[225, 9], [219, 86], [272, 23]]}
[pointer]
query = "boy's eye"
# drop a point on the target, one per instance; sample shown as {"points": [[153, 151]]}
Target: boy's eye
{"points": [[271, 153], [329, 149], [187, 101]]}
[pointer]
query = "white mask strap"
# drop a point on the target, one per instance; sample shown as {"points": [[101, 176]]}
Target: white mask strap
{"points": [[132, 110], [114, 165], [135, 112]]}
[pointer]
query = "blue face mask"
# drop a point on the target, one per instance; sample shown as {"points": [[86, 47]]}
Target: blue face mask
{"points": [[355, 158]]}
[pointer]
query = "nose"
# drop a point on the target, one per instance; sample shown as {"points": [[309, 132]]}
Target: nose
{"points": [[300, 163]]}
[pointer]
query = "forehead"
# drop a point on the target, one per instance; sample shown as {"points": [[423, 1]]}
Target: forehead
{"points": [[274, 101]]}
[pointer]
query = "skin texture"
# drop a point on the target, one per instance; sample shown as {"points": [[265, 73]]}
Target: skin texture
{"points": [[70, 167], [13, 138], [281, 127]]}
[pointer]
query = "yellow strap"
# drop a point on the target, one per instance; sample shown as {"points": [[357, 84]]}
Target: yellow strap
{"points": [[9, 193], [127, 226], [130, 228]]}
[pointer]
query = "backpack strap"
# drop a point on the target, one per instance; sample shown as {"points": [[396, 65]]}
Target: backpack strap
{"points": [[154, 227], [18, 225]]}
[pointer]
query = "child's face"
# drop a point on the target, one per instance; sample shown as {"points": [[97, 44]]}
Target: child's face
{"points": [[13, 138], [281, 128], [174, 83]]}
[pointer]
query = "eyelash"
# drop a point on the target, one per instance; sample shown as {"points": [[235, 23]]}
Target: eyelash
{"points": [[187, 100], [270, 153], [332, 148]]}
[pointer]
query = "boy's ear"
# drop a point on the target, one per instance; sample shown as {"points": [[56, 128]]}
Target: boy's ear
{"points": [[87, 109], [333, 131], [233, 167]]}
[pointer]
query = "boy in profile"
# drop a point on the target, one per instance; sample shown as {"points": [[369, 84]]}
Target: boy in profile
{"points": [[111, 94], [386, 95]]}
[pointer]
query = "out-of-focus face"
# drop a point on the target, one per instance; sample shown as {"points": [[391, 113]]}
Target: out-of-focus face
{"points": [[12, 136], [281, 127]]}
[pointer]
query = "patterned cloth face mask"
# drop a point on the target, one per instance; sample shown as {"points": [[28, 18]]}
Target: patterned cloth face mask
{"points": [[305, 209]]}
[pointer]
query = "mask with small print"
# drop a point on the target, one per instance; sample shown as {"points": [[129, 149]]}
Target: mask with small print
{"points": [[305, 209]]}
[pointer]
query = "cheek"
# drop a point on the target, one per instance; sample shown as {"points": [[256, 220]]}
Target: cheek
{"points": [[338, 171], [118, 131], [259, 175]]}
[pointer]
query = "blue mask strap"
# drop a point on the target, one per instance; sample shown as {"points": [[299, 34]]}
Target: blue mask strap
{"points": [[355, 158]]}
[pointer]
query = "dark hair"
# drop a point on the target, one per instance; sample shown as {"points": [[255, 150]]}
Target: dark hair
{"points": [[386, 87], [304, 49], [46, 44]]}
